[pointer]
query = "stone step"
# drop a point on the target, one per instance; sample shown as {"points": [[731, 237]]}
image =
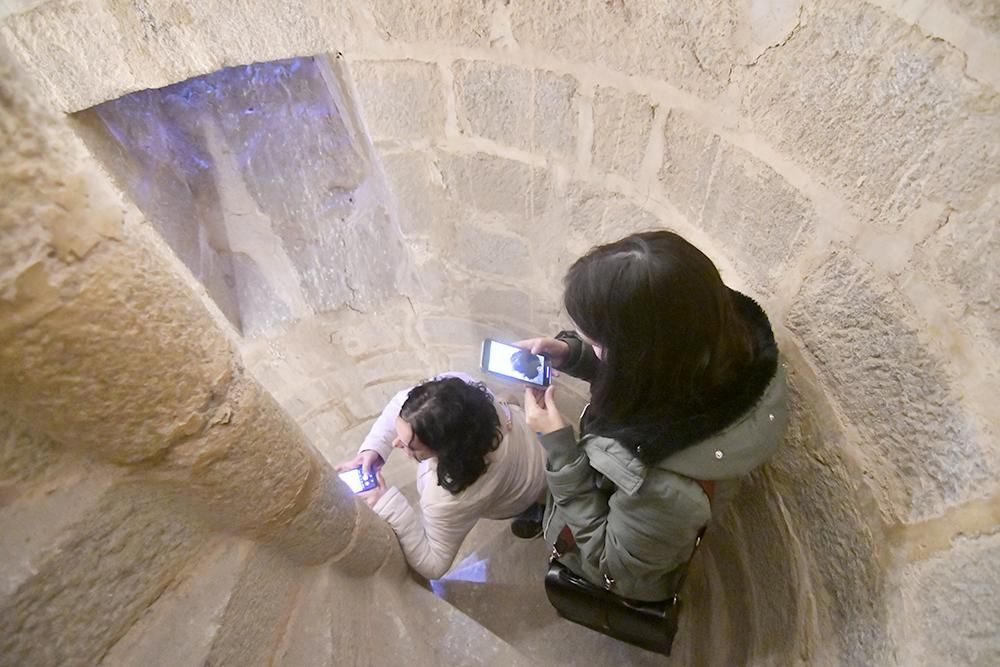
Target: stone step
{"points": [[88, 553], [497, 581], [181, 626]]}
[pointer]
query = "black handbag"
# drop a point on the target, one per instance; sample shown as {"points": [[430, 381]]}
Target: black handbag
{"points": [[649, 625]]}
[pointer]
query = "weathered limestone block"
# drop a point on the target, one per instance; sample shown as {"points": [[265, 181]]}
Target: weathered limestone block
{"points": [[479, 249], [185, 620], [488, 303], [824, 496], [495, 184], [464, 23], [600, 216], [888, 117], [965, 252], [120, 48], [689, 153], [925, 452], [984, 13], [257, 611], [951, 605], [689, 45], [528, 109], [622, 122], [83, 596], [83, 371], [25, 456], [400, 99], [419, 196], [756, 215]]}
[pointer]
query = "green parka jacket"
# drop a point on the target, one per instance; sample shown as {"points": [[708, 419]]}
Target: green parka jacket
{"points": [[635, 524]]}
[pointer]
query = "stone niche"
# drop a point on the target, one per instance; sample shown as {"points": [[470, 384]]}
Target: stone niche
{"points": [[263, 183]]}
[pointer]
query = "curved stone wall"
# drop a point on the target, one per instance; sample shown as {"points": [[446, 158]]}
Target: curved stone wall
{"points": [[839, 161]]}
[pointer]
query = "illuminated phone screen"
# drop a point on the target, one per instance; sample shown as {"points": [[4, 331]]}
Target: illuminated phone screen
{"points": [[515, 363], [357, 481]]}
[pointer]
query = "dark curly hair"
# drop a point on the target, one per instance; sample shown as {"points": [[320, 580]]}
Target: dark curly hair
{"points": [[458, 422]]}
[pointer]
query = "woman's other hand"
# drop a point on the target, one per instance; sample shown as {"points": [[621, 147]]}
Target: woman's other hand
{"points": [[371, 497], [556, 350], [541, 412], [367, 460]]}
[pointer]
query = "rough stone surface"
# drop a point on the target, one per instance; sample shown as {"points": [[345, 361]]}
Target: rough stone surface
{"points": [[400, 99], [966, 252], [528, 109], [689, 153], [257, 612], [693, 43], [892, 389], [192, 610], [123, 48], [128, 549], [481, 250], [597, 216], [754, 213], [952, 601], [24, 455], [496, 184], [818, 489], [876, 70], [465, 23], [622, 123]]}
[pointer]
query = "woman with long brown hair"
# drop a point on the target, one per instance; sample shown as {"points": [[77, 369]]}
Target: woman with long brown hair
{"points": [[687, 397]]}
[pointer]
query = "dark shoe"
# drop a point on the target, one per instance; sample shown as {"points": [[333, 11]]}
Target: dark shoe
{"points": [[528, 524]]}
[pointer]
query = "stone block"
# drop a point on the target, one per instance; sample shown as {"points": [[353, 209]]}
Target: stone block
{"points": [[688, 45], [529, 109], [459, 332], [923, 449], [193, 610], [760, 220], [25, 456], [408, 176], [257, 611], [950, 601], [482, 250], [965, 252], [463, 23], [622, 123], [114, 562], [600, 216], [400, 99], [496, 184], [885, 116], [689, 153], [494, 302], [820, 492]]}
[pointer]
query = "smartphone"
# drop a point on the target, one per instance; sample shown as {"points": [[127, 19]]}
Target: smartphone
{"points": [[358, 481], [513, 363]]}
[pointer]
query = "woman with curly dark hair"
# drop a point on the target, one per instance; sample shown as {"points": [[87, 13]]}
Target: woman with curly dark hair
{"points": [[477, 458]]}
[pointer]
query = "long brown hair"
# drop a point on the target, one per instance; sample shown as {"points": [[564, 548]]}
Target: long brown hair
{"points": [[673, 342]]}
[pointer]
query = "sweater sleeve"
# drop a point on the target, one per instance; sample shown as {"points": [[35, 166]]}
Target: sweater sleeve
{"points": [[582, 362], [431, 538]]}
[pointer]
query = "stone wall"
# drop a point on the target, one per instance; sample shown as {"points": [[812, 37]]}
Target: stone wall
{"points": [[838, 160]]}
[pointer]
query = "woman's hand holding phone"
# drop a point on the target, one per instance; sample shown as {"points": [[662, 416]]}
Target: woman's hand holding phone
{"points": [[556, 350], [368, 460], [541, 412], [373, 496]]}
